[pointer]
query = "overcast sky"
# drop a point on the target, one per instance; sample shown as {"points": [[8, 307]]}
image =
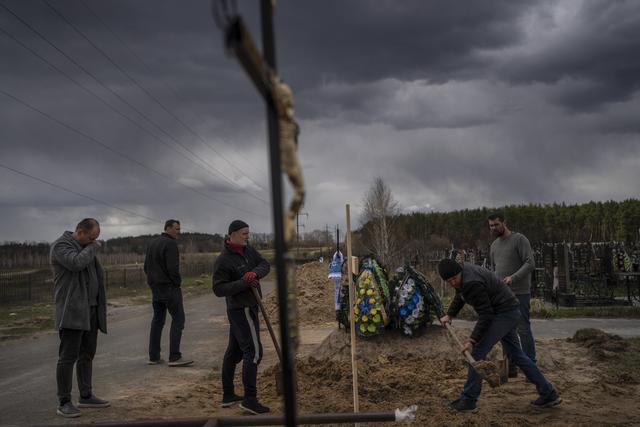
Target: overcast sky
{"points": [[136, 110]]}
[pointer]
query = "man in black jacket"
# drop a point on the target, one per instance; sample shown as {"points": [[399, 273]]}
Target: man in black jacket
{"points": [[162, 266], [237, 270], [498, 313]]}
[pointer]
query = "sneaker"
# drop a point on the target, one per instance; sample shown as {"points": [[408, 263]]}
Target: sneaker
{"points": [[155, 362], [252, 406], [180, 362], [67, 410], [93, 402], [230, 400], [548, 401], [460, 405]]}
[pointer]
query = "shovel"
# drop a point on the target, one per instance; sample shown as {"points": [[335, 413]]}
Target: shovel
{"points": [[487, 370], [273, 338]]}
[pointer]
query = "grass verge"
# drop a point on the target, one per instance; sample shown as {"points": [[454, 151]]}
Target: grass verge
{"points": [[543, 310], [624, 367], [20, 320]]}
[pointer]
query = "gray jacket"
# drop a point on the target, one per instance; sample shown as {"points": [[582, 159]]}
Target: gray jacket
{"points": [[70, 264]]}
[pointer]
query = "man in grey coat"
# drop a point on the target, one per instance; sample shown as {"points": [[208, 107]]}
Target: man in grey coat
{"points": [[80, 310], [512, 261]]}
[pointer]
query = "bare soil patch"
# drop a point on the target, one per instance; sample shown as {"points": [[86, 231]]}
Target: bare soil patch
{"points": [[395, 371]]}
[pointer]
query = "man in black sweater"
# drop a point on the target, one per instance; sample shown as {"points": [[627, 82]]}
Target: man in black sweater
{"points": [[162, 266], [237, 270], [498, 314]]}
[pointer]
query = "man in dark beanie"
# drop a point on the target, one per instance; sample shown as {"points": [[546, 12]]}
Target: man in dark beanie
{"points": [[237, 270], [498, 313]]}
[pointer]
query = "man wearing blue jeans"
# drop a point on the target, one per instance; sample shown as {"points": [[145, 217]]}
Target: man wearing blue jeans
{"points": [[512, 261], [498, 313]]}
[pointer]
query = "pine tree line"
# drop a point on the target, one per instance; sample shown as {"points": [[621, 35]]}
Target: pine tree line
{"points": [[588, 222]]}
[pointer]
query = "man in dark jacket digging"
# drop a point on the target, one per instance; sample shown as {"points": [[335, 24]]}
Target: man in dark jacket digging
{"points": [[237, 270], [498, 314]]}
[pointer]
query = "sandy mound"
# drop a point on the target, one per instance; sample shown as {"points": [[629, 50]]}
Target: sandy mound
{"points": [[315, 296], [394, 372], [601, 344]]}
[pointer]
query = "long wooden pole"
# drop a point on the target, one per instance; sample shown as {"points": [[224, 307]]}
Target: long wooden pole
{"points": [[354, 362], [282, 254]]}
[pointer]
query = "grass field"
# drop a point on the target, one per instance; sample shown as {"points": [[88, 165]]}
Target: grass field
{"points": [[19, 320]]}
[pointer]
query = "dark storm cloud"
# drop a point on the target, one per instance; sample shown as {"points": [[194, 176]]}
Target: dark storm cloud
{"points": [[360, 41], [455, 104], [592, 57]]}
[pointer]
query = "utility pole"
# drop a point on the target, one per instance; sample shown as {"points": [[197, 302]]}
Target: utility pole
{"points": [[298, 225]]}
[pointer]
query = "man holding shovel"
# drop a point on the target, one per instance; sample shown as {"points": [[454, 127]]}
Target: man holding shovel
{"points": [[236, 271], [498, 314]]}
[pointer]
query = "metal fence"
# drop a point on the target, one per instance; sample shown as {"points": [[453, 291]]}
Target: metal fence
{"points": [[37, 285]]}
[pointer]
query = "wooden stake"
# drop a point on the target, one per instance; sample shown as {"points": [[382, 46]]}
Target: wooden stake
{"points": [[354, 362]]}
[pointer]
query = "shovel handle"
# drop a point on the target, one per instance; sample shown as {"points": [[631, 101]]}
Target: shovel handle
{"points": [[266, 320], [467, 355]]}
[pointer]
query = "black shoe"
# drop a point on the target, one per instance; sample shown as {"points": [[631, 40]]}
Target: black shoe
{"points": [[230, 400], [513, 371], [252, 406], [548, 401], [68, 410], [180, 362], [460, 405], [155, 362], [93, 402]]}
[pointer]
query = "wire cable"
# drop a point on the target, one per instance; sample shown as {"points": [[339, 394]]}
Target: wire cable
{"points": [[93, 199], [147, 92], [114, 93], [168, 86], [125, 156]]}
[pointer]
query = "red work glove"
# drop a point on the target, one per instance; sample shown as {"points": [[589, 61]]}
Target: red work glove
{"points": [[250, 277]]}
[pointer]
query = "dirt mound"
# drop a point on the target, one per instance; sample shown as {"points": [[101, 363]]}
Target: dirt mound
{"points": [[600, 343], [315, 296], [434, 342], [395, 372]]}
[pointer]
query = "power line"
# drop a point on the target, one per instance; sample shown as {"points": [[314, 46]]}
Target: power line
{"points": [[93, 199], [107, 147], [115, 94], [172, 114], [148, 68]]}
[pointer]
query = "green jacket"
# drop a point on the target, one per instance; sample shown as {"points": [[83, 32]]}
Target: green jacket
{"points": [[70, 264]]}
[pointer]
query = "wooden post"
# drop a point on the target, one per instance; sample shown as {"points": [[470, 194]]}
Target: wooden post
{"points": [[354, 362]]}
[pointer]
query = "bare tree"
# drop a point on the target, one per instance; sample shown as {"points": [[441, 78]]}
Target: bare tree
{"points": [[378, 222]]}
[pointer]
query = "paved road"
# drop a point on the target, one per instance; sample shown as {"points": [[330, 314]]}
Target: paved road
{"points": [[565, 328], [27, 366]]}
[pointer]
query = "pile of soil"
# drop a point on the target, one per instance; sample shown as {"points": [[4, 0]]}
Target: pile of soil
{"points": [[314, 298], [395, 372], [601, 344]]}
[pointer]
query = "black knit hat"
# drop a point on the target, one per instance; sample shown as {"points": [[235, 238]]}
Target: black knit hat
{"points": [[237, 225], [447, 268]]}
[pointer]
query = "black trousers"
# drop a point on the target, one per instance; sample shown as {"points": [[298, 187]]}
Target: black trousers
{"points": [[76, 347], [244, 345], [166, 298]]}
